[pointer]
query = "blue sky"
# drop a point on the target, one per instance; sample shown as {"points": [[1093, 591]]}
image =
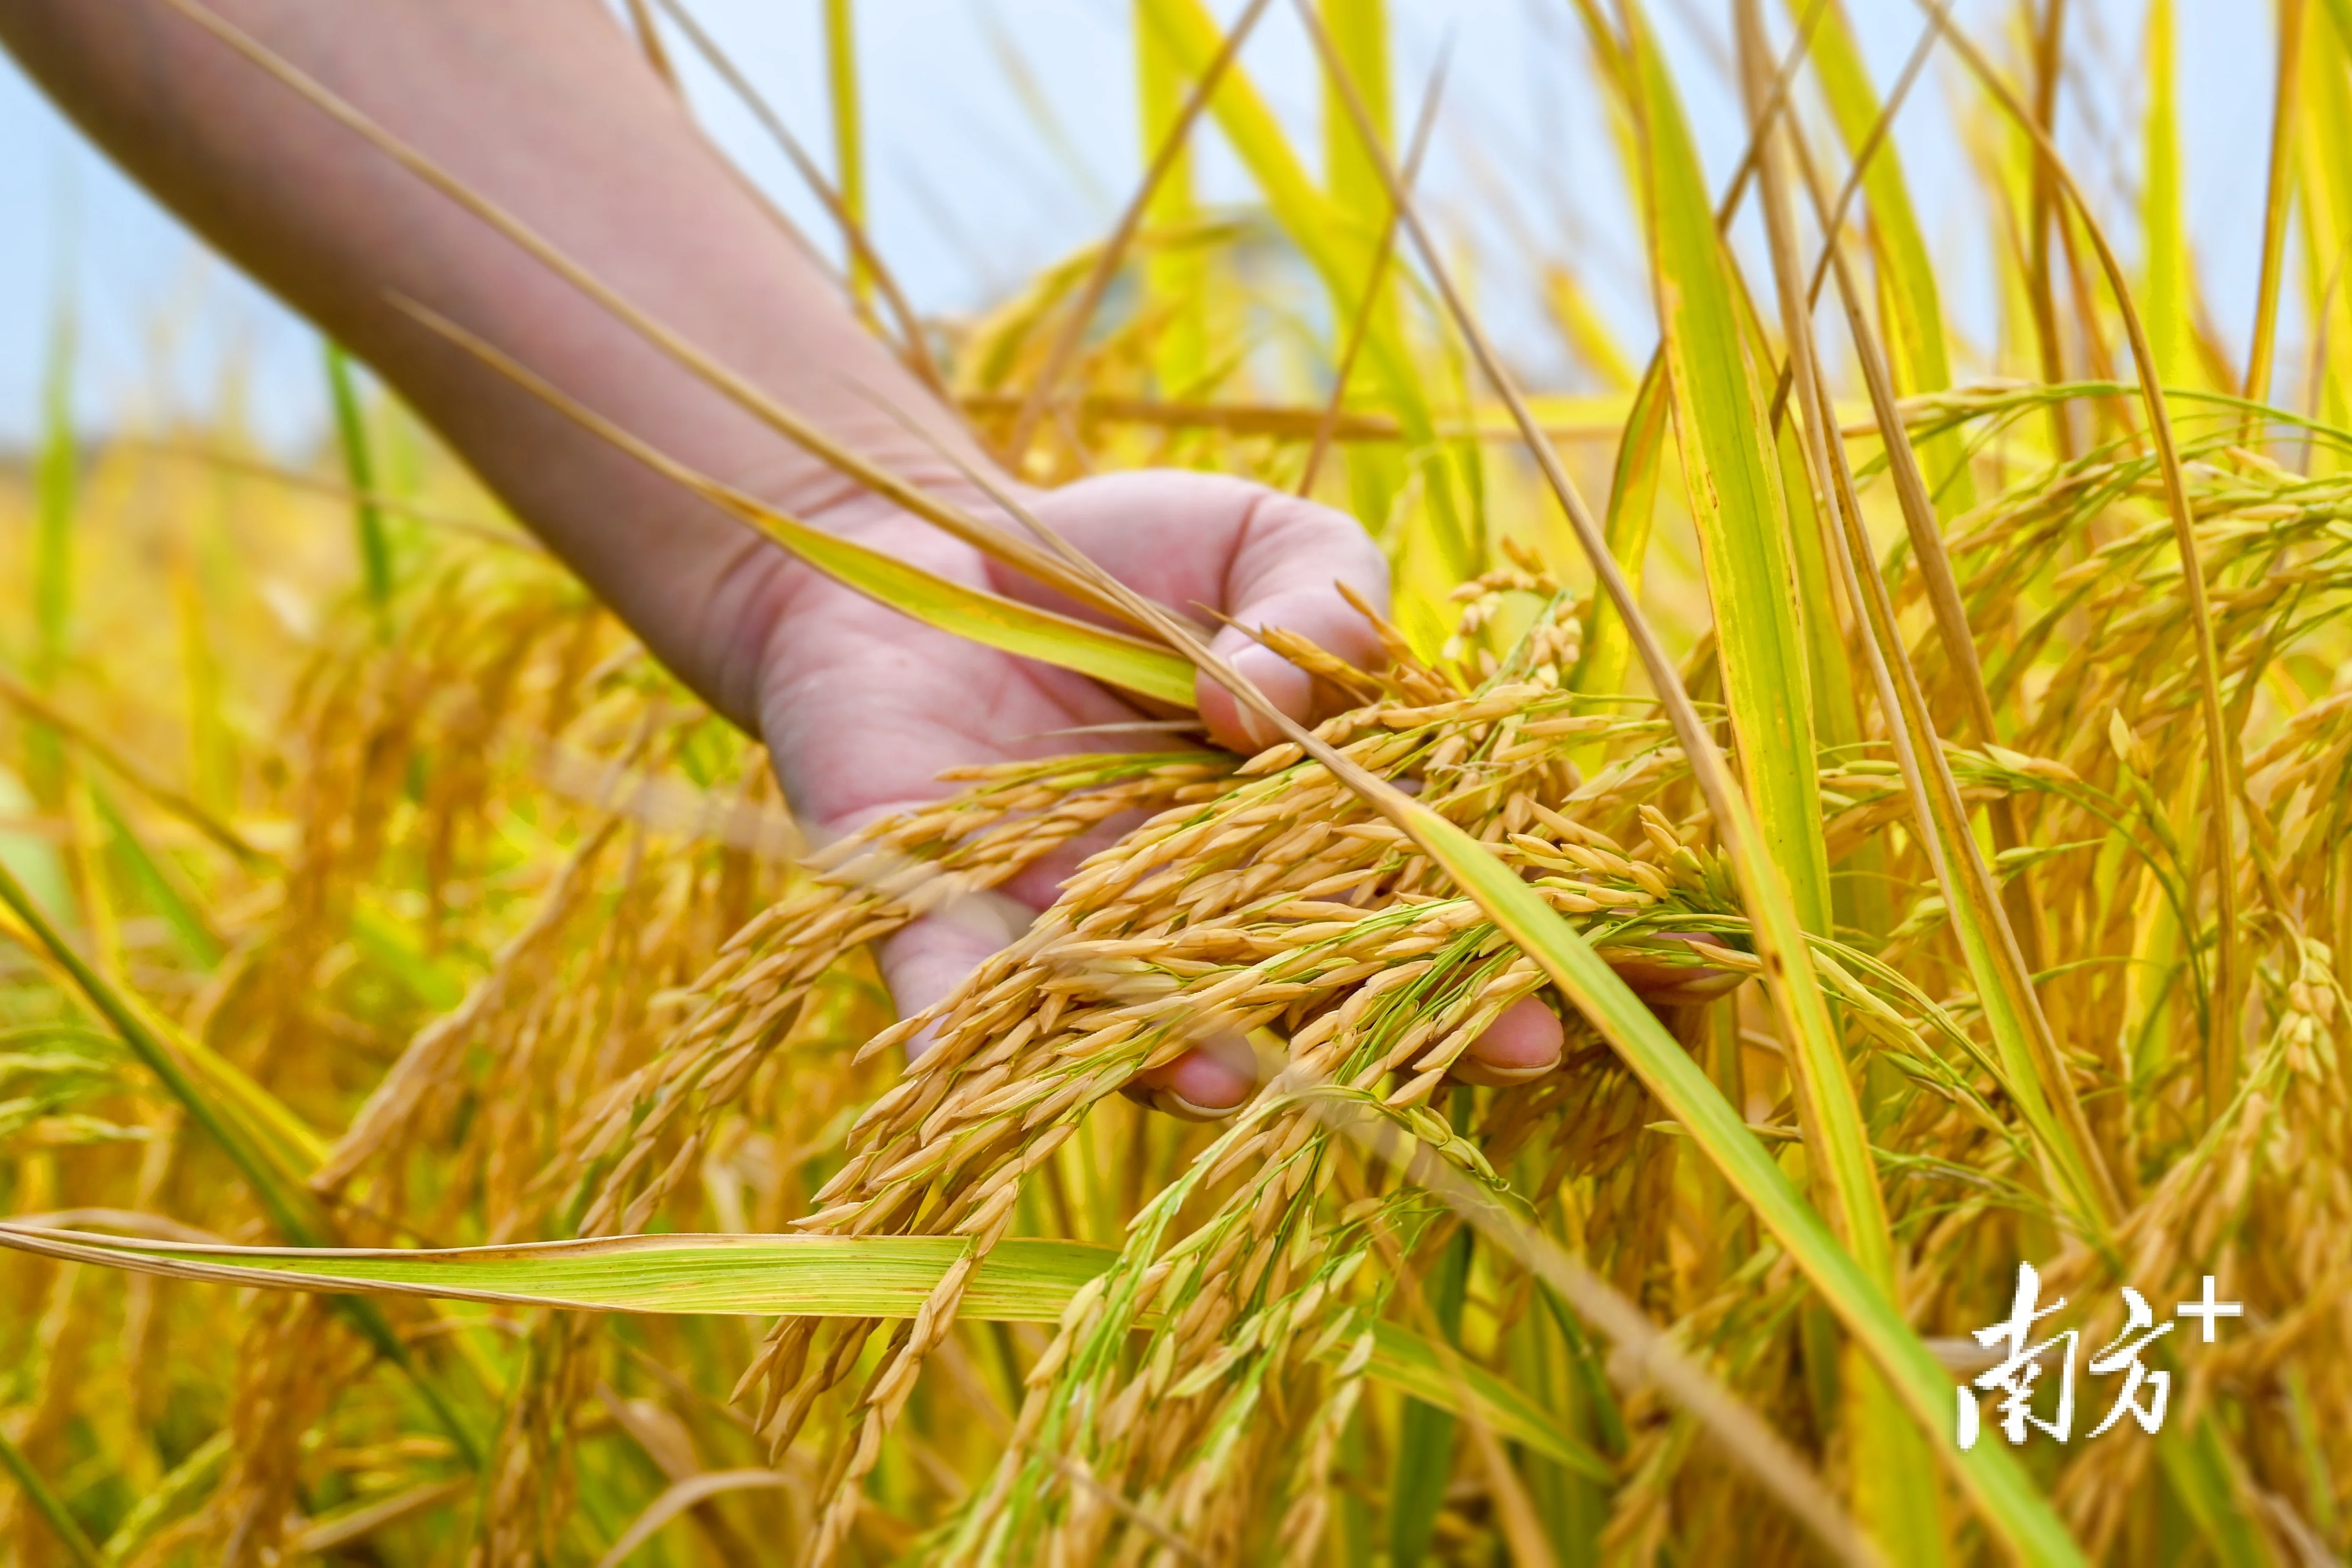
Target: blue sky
{"points": [[1002, 134]]}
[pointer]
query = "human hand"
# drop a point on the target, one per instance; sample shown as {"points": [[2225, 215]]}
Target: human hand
{"points": [[863, 708]]}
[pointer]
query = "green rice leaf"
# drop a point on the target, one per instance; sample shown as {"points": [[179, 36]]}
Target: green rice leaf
{"points": [[2031, 1072], [1175, 277], [2278, 202], [1909, 297], [259, 1152], [1731, 476], [848, 128], [156, 883], [48, 1505], [2326, 194], [1730, 471], [1425, 1438], [54, 485], [1412, 1364], [1633, 506], [170, 1498], [1022, 1279], [358, 468]]}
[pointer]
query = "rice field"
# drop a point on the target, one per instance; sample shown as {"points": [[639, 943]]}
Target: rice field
{"points": [[451, 1111]]}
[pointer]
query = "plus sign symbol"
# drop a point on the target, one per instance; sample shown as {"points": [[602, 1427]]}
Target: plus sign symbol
{"points": [[2206, 1309]]}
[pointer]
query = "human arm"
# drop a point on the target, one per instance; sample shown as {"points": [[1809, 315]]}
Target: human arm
{"points": [[543, 108]]}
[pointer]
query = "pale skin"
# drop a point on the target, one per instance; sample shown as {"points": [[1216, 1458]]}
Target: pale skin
{"points": [[545, 107]]}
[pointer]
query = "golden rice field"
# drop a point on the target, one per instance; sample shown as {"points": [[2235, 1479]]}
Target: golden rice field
{"points": [[369, 895]]}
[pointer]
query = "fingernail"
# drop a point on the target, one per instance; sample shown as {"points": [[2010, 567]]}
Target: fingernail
{"points": [[1169, 1102], [1486, 1075]]}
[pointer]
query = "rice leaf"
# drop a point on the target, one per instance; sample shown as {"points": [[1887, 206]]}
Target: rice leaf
{"points": [[1022, 1280], [56, 485], [1426, 1439], [1412, 1364], [2032, 1074], [48, 1505], [269, 1144], [2163, 219], [177, 1492], [1731, 478], [160, 885], [1914, 348], [2029, 1055], [1633, 506], [848, 131], [2278, 199], [1359, 33], [1175, 277], [2325, 188], [358, 468], [1897, 1496], [1910, 298]]}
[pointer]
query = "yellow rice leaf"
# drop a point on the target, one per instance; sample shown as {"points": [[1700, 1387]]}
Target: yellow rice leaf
{"points": [[2163, 225], [977, 615]]}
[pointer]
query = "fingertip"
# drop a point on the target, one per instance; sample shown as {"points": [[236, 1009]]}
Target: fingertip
{"points": [[1524, 1042], [1212, 1081]]}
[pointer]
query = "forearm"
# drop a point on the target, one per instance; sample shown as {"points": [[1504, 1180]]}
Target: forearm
{"points": [[541, 106]]}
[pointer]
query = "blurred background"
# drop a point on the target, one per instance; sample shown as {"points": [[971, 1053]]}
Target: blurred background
{"points": [[1002, 136]]}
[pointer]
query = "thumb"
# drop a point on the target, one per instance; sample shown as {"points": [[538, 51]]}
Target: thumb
{"points": [[1285, 570]]}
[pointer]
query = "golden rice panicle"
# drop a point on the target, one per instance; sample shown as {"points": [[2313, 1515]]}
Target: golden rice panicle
{"points": [[1124, 963]]}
